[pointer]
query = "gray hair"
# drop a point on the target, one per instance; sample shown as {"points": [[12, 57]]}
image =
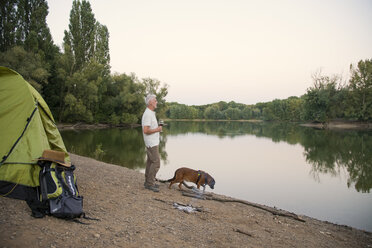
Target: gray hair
{"points": [[149, 97]]}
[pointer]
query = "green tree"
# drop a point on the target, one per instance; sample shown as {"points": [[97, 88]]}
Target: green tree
{"points": [[31, 30], [102, 51], [182, 111], [30, 65], [247, 112], [212, 112], [268, 112], [275, 110], [80, 95], [23, 23], [58, 86], [8, 22], [154, 86], [178, 111], [84, 69], [194, 112], [361, 90], [294, 108], [222, 106], [124, 99], [84, 88], [258, 110], [82, 32], [320, 101], [232, 113]]}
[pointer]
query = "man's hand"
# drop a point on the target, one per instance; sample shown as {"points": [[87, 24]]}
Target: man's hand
{"points": [[147, 130]]}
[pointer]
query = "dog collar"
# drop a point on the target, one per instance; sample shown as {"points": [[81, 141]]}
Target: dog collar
{"points": [[199, 176]]}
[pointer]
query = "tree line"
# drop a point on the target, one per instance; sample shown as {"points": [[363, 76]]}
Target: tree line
{"points": [[77, 83], [76, 80], [330, 98]]}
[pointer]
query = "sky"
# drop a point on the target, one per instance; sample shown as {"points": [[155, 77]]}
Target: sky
{"points": [[245, 51]]}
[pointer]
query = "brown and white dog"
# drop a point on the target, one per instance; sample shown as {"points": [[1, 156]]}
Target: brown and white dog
{"points": [[200, 178]]}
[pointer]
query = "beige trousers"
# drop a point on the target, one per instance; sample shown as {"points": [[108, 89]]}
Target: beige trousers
{"points": [[153, 165]]}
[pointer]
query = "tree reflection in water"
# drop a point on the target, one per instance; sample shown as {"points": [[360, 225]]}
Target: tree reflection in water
{"points": [[118, 146]]}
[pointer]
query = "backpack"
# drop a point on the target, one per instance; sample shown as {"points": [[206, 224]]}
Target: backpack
{"points": [[59, 191]]}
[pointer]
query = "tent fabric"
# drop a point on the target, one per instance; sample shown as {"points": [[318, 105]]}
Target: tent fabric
{"points": [[27, 128]]}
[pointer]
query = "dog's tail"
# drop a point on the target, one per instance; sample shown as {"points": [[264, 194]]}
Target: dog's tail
{"points": [[167, 181], [164, 181]]}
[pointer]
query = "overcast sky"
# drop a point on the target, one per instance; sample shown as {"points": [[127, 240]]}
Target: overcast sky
{"points": [[230, 50]]}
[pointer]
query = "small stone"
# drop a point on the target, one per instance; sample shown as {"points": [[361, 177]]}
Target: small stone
{"points": [[97, 235]]}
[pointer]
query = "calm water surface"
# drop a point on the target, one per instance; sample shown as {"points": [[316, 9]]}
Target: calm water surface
{"points": [[323, 174]]}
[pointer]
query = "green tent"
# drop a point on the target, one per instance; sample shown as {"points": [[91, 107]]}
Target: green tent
{"points": [[27, 128]]}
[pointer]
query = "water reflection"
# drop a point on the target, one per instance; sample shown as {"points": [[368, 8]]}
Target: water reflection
{"points": [[331, 151], [328, 152], [116, 146]]}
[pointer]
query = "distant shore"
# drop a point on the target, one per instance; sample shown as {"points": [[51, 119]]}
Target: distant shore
{"points": [[69, 126], [329, 125]]}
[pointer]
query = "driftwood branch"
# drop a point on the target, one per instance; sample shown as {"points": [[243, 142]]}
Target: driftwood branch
{"points": [[243, 232], [199, 209], [271, 210], [157, 199]]}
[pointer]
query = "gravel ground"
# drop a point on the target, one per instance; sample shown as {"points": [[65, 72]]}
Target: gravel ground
{"points": [[131, 216]]}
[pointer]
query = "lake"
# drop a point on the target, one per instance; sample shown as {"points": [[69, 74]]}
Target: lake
{"points": [[325, 174]]}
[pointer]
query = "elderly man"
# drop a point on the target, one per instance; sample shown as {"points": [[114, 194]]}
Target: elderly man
{"points": [[151, 131]]}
